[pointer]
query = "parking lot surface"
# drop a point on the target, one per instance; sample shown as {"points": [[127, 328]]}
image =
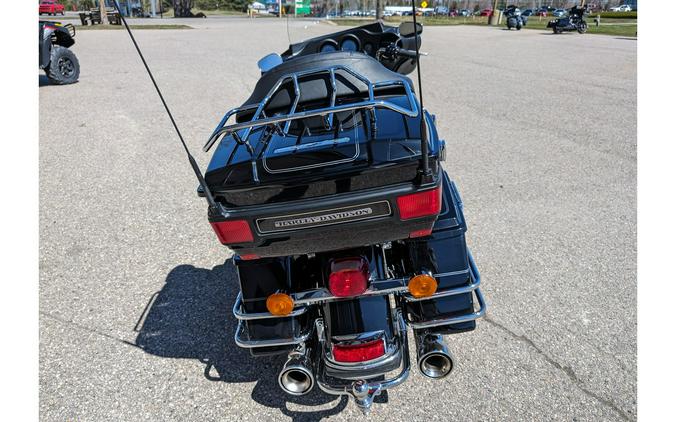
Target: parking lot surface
{"points": [[136, 292]]}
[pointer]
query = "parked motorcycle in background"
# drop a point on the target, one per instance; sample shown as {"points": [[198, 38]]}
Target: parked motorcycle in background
{"points": [[574, 21], [514, 18]]}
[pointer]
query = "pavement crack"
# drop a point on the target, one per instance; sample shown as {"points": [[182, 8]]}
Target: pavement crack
{"points": [[85, 328], [567, 370]]}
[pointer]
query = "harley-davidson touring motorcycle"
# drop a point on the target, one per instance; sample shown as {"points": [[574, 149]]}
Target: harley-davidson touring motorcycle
{"points": [[514, 18], [574, 21], [327, 184]]}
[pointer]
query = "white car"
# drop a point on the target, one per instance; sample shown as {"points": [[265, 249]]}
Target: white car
{"points": [[622, 8]]}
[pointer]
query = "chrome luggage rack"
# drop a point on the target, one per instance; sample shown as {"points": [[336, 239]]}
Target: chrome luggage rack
{"points": [[259, 117], [378, 287]]}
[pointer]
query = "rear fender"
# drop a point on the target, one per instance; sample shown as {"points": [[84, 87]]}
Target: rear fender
{"points": [[357, 316], [63, 38], [360, 320]]}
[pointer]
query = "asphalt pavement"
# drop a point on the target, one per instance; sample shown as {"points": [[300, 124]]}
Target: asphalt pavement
{"points": [[136, 292]]}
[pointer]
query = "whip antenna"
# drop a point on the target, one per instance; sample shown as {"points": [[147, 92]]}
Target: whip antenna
{"points": [[423, 124], [193, 163]]}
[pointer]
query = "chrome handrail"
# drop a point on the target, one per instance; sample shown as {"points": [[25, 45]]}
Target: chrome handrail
{"points": [[256, 120]]}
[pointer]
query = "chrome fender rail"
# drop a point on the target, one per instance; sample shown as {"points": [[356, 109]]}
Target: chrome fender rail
{"points": [[364, 392]]}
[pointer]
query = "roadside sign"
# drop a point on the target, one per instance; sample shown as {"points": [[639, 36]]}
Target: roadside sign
{"points": [[302, 7], [424, 4]]}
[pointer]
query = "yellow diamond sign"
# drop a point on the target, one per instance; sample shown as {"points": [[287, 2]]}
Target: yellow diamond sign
{"points": [[424, 5]]}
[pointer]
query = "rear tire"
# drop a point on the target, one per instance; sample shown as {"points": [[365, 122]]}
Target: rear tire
{"points": [[64, 68], [519, 27], [582, 27]]}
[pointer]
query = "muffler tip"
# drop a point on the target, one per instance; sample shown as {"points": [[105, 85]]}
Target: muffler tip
{"points": [[433, 357], [436, 365], [296, 381]]}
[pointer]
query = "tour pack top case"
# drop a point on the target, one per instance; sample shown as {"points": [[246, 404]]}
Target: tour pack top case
{"points": [[325, 155]]}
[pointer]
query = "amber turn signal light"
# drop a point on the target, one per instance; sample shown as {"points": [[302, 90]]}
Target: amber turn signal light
{"points": [[279, 304], [422, 285]]}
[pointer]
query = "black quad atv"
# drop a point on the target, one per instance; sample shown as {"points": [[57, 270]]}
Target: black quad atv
{"points": [[57, 60]]}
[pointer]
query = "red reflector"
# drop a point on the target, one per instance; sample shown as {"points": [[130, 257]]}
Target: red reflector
{"points": [[249, 257], [348, 276], [359, 352], [233, 231], [420, 204], [420, 233]]}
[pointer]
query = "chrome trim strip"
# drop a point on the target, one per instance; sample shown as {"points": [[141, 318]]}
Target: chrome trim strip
{"points": [[357, 151], [391, 350], [359, 367], [296, 148]]}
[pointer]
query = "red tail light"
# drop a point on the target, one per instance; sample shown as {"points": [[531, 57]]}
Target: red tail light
{"points": [[233, 231], [348, 276], [358, 352], [420, 204], [420, 233]]}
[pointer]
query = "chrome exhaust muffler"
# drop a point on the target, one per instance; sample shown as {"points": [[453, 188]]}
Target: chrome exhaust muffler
{"points": [[434, 360], [296, 377]]}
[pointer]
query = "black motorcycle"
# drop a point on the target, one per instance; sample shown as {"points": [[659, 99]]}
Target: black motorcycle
{"points": [[327, 184], [574, 21], [329, 188], [514, 18]]}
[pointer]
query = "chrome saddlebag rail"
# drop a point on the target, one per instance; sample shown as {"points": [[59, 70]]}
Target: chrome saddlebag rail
{"points": [[471, 288]]}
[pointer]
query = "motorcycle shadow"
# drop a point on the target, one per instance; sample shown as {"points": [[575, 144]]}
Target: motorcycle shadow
{"points": [[191, 317]]}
